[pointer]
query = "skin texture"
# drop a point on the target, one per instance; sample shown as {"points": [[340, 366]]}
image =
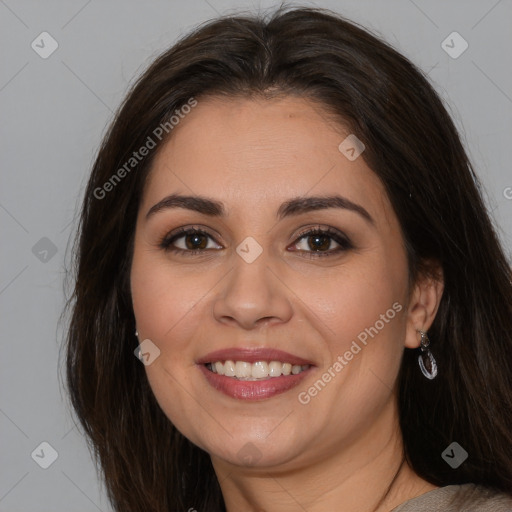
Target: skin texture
{"points": [[252, 155]]}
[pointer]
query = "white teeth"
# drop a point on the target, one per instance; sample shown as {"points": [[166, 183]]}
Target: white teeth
{"points": [[259, 370], [296, 369], [255, 371], [242, 369], [229, 369], [274, 369]]}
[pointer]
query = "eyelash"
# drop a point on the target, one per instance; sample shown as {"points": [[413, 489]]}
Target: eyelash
{"points": [[344, 243]]}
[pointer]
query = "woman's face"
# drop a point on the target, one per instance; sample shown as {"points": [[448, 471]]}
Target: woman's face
{"points": [[257, 283]]}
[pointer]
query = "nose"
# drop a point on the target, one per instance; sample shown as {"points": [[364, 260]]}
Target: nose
{"points": [[252, 296]]}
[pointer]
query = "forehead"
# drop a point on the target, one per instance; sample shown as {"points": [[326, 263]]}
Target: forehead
{"points": [[250, 152]]}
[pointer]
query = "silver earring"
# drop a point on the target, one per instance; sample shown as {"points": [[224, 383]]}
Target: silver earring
{"points": [[137, 333], [426, 360]]}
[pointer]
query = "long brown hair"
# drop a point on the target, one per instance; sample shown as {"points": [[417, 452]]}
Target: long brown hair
{"points": [[414, 148]]}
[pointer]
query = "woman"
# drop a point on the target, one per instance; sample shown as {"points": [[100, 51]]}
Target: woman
{"points": [[283, 226]]}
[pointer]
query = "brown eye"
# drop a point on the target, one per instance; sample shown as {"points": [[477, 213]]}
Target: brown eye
{"points": [[196, 241], [188, 241], [319, 242]]}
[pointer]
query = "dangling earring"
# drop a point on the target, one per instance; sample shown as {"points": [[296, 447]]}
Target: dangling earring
{"points": [[426, 360]]}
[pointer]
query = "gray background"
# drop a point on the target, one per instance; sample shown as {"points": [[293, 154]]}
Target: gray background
{"points": [[54, 112]]}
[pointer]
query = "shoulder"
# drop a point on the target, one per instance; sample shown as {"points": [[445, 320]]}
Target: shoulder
{"points": [[458, 498]]}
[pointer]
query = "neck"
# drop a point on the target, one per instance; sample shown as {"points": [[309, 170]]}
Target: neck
{"points": [[370, 474]]}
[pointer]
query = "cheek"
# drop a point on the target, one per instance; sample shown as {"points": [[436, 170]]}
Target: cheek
{"points": [[165, 306], [163, 298], [349, 300], [361, 313]]}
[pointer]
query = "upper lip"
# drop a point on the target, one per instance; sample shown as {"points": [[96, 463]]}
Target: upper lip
{"points": [[252, 355]]}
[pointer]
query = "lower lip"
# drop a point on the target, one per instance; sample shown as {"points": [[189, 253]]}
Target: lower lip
{"points": [[253, 389]]}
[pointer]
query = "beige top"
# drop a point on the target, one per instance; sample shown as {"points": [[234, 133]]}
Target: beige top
{"points": [[458, 498]]}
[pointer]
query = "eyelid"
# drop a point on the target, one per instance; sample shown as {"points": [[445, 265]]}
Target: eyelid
{"points": [[336, 235], [166, 241]]}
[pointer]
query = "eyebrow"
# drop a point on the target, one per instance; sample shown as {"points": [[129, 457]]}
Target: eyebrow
{"points": [[294, 206]]}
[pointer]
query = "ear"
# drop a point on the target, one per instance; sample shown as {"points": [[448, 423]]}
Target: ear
{"points": [[423, 304]]}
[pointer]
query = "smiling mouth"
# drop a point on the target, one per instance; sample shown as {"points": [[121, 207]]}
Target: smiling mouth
{"points": [[260, 370]]}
